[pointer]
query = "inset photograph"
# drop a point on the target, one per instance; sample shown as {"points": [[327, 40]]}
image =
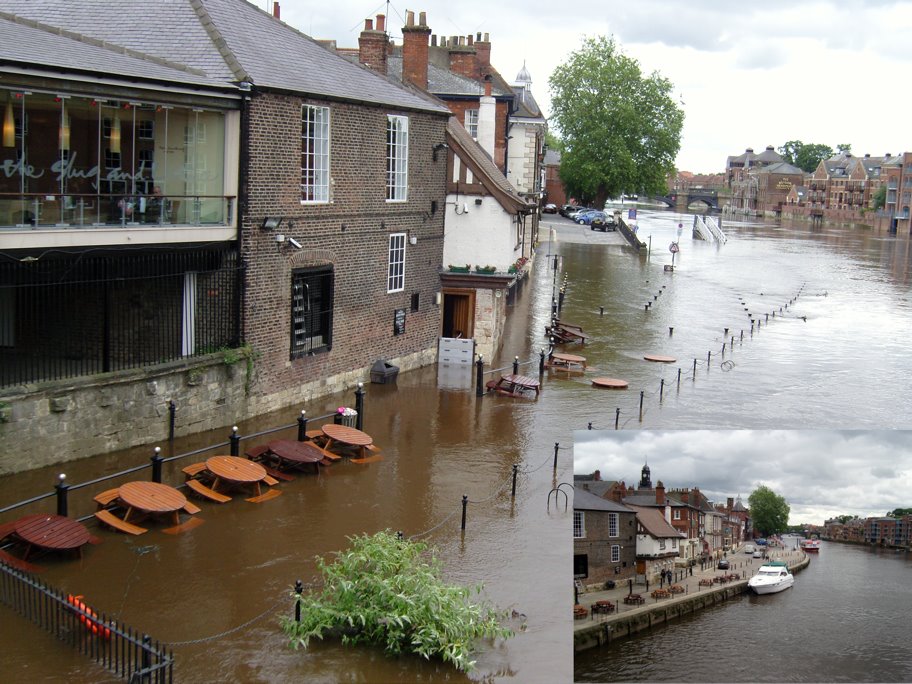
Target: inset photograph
{"points": [[705, 555]]}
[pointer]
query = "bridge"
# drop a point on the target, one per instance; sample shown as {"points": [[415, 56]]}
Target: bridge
{"points": [[682, 201]]}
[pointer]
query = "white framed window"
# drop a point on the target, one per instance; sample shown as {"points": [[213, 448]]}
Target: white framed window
{"points": [[314, 154], [471, 122], [396, 158], [615, 553], [579, 525], [612, 524], [395, 281], [677, 514], [661, 544]]}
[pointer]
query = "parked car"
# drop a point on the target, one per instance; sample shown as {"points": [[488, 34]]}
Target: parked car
{"points": [[723, 564], [603, 224], [758, 554], [573, 215], [567, 209], [549, 209], [586, 217], [749, 548]]}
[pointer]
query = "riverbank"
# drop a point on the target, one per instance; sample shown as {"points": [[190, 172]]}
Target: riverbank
{"points": [[601, 628]]}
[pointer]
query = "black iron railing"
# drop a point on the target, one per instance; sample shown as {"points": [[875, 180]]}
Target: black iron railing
{"points": [[70, 315], [113, 645]]}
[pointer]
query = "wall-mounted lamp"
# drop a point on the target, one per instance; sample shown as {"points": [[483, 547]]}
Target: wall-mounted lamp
{"points": [[271, 222], [413, 239], [115, 134], [9, 126], [437, 148], [437, 297]]}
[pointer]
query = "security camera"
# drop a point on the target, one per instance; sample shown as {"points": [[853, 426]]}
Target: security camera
{"points": [[295, 243]]}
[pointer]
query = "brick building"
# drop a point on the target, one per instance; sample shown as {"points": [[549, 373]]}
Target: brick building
{"points": [[604, 539]]}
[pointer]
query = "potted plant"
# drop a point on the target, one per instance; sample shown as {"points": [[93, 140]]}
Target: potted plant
{"points": [[486, 269], [460, 269]]}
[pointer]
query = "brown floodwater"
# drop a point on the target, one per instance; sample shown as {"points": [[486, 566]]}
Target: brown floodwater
{"points": [[835, 356]]}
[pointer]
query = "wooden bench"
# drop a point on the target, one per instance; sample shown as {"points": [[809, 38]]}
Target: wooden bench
{"points": [[603, 607], [367, 459], [206, 492], [706, 582], [271, 481], [634, 599], [271, 494], [107, 498], [257, 453], [191, 508], [113, 521], [194, 469], [314, 434], [18, 563], [580, 612], [278, 474]]}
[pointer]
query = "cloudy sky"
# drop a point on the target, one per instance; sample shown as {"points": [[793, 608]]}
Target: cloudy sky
{"points": [[820, 473], [748, 74]]}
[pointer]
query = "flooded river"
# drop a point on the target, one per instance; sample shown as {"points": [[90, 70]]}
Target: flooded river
{"points": [[833, 357]]}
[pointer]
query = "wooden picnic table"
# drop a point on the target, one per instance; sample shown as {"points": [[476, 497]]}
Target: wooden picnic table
{"points": [[152, 498], [235, 470], [51, 532], [635, 599], [603, 607], [563, 361], [515, 385], [293, 454], [346, 436]]}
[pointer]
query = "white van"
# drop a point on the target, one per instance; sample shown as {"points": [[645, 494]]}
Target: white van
{"points": [[749, 548]]}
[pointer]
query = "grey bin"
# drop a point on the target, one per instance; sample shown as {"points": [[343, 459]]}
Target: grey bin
{"points": [[383, 373]]}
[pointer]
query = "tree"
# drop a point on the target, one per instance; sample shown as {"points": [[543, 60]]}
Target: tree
{"points": [[768, 510], [844, 147], [805, 156], [899, 512], [880, 197], [621, 130], [387, 591]]}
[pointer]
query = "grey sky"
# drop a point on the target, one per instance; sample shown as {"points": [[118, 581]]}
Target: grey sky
{"points": [[820, 473], [749, 74]]}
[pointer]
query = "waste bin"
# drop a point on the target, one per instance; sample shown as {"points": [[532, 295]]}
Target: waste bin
{"points": [[382, 373], [346, 416]]}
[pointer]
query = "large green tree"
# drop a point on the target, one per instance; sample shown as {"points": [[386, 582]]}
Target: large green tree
{"points": [[768, 510], [621, 130], [806, 156]]}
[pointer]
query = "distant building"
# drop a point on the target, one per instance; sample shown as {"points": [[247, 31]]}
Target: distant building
{"points": [[604, 539]]}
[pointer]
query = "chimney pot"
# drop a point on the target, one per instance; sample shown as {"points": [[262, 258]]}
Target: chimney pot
{"points": [[478, 36], [368, 24], [409, 18], [381, 22], [276, 11], [422, 18], [469, 40]]}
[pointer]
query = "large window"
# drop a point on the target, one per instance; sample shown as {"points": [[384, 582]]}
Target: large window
{"points": [[471, 122], [395, 281], [612, 524], [311, 310], [314, 154], [396, 158], [579, 525], [615, 553], [68, 160]]}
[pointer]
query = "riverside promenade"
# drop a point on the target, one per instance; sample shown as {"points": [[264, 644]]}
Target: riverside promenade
{"points": [[626, 620]]}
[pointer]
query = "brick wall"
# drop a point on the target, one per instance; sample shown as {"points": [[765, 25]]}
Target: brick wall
{"points": [[352, 233], [597, 545], [459, 107]]}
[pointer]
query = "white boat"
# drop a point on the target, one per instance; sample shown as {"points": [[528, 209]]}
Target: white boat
{"points": [[771, 577], [810, 544]]}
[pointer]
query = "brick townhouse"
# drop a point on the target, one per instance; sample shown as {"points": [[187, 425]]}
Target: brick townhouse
{"points": [[193, 177]]}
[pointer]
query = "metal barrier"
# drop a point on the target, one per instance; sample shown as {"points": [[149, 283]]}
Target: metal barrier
{"points": [[116, 647]]}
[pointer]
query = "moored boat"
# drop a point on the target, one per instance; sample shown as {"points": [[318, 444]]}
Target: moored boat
{"points": [[771, 577], [810, 544]]}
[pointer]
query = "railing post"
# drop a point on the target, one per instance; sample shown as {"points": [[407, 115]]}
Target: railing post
{"points": [[515, 469], [146, 656], [157, 465], [556, 448], [641, 405], [515, 365], [479, 376], [465, 503], [61, 488], [541, 363], [299, 589], [172, 412], [359, 406], [235, 440], [302, 426], [617, 417]]}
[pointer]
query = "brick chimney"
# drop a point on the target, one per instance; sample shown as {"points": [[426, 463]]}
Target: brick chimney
{"points": [[731, 504], [482, 55], [276, 11], [597, 476], [660, 493], [372, 45], [415, 50], [463, 57]]}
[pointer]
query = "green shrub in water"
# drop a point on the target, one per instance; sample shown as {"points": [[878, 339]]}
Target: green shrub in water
{"points": [[388, 591]]}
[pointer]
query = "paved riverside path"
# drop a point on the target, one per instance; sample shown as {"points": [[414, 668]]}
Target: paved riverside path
{"points": [[742, 564]]}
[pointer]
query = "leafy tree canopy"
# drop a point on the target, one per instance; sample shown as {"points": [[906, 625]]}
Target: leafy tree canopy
{"points": [[553, 142], [806, 156], [900, 512], [621, 130], [387, 591], [768, 510], [880, 197]]}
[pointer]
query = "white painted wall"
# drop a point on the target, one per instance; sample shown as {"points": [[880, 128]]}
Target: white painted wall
{"points": [[480, 235]]}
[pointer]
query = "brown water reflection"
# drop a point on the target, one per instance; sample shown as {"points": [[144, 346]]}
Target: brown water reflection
{"points": [[215, 592]]}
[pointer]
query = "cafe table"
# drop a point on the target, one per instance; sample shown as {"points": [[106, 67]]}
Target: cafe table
{"points": [[346, 436], [292, 454], [151, 498], [51, 532], [235, 470]]}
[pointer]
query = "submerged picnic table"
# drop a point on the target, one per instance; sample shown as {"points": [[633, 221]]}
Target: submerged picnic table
{"points": [[292, 454], [339, 438], [514, 385], [567, 362], [152, 498], [51, 533], [235, 470]]}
